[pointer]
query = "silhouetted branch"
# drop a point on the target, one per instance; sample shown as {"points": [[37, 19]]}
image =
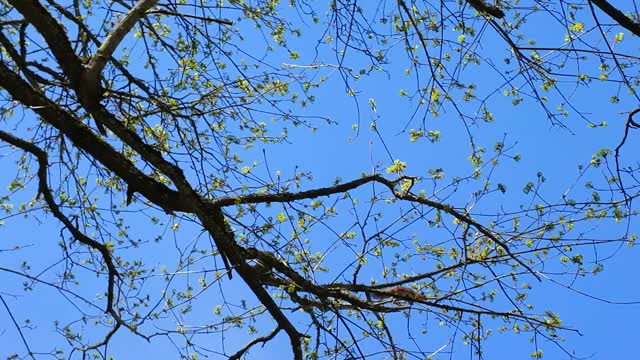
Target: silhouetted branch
{"points": [[618, 16], [116, 35], [483, 7], [261, 339]]}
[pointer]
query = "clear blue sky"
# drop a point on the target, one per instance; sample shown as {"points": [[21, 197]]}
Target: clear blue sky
{"points": [[608, 330]]}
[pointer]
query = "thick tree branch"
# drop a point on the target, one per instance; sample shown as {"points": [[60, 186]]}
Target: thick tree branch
{"points": [[115, 37], [618, 16], [88, 89], [73, 68], [485, 8], [310, 194], [132, 79], [55, 36], [168, 199], [213, 220]]}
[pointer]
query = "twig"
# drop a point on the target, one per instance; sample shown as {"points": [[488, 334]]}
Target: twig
{"points": [[203, 18], [262, 339], [13, 319]]}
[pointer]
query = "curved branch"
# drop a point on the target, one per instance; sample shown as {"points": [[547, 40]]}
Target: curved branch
{"points": [[390, 184], [631, 124], [105, 252], [261, 339], [309, 194], [43, 189]]}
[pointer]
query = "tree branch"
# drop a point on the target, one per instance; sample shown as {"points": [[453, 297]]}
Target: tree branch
{"points": [[15, 323], [262, 339], [84, 87], [213, 220], [618, 16], [85, 139], [105, 252], [32, 78], [115, 37], [188, 16], [327, 191], [88, 90], [187, 201], [485, 8], [309, 194], [630, 124], [55, 36]]}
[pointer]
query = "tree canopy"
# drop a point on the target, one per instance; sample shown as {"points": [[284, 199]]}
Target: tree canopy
{"points": [[344, 179]]}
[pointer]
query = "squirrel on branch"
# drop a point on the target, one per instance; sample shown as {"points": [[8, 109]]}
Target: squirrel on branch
{"points": [[401, 292]]}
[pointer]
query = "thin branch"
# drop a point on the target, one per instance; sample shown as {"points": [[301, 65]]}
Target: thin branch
{"points": [[310, 194], [43, 189], [105, 252], [261, 339], [15, 323], [631, 124], [55, 36], [106, 339], [336, 189], [202, 18], [20, 61]]}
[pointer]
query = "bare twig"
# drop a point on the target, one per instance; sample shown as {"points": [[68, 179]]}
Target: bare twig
{"points": [[15, 323], [630, 124], [188, 16], [261, 339]]}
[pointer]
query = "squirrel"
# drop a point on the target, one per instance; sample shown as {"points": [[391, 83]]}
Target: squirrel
{"points": [[402, 292]]}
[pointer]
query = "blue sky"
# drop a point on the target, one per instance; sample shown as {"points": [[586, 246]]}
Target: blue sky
{"points": [[340, 150]]}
